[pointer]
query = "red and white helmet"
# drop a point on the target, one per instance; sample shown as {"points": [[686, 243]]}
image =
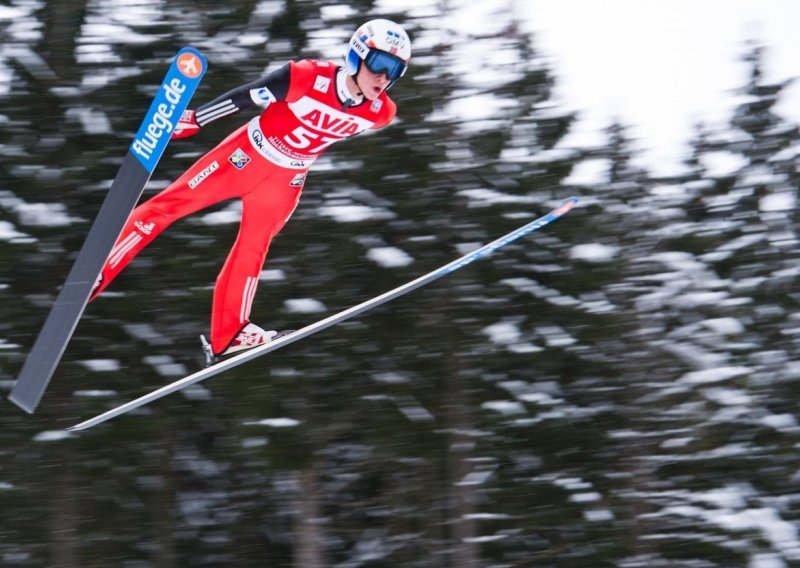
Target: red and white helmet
{"points": [[383, 46]]}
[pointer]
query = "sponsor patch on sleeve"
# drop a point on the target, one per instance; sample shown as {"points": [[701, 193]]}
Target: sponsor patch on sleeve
{"points": [[262, 96], [239, 159]]}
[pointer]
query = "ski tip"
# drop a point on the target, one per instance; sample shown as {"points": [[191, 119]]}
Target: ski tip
{"points": [[565, 206], [191, 63]]}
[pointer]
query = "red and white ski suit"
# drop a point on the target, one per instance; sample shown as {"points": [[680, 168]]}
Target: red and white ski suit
{"points": [[307, 107]]}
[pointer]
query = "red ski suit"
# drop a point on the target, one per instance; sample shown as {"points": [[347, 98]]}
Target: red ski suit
{"points": [[263, 163]]}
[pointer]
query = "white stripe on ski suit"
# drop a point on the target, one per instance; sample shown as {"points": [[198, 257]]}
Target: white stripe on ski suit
{"points": [[218, 110], [248, 295], [123, 247]]}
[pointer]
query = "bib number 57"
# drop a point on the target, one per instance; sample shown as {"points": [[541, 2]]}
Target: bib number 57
{"points": [[302, 138]]}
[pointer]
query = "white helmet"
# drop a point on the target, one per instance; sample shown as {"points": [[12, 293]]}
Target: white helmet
{"points": [[383, 46]]}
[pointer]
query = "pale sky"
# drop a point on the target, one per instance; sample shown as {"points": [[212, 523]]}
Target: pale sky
{"points": [[661, 65]]}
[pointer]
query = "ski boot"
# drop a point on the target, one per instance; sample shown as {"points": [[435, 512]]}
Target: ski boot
{"points": [[248, 337]]}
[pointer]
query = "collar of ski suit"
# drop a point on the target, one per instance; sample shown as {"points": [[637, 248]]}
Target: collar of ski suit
{"points": [[348, 99]]}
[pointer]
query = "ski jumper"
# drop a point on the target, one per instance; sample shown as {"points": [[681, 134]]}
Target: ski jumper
{"points": [[307, 107]]}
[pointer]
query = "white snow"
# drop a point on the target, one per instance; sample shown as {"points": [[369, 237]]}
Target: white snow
{"points": [[483, 197], [598, 515], [52, 436], [417, 413], [269, 9], [784, 201], [475, 478], [555, 336], [230, 214], [722, 163], [390, 377], [196, 392], [588, 497], [728, 396], [94, 393], [725, 326], [166, 366], [354, 213], [272, 275], [487, 538], [9, 233], [593, 252], [589, 173], [303, 306], [146, 332], [99, 365], [92, 121], [503, 333], [274, 422], [389, 257], [715, 375], [781, 422], [37, 214], [766, 560], [506, 407]]}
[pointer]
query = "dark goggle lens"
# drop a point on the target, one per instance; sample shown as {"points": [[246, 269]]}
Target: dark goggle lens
{"points": [[382, 62]]}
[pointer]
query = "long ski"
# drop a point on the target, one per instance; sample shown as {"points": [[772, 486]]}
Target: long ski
{"points": [[285, 340], [151, 140]]}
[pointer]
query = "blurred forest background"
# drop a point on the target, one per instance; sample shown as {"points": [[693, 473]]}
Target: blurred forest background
{"points": [[618, 389]]}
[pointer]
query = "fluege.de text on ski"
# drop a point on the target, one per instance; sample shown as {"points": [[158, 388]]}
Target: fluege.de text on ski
{"points": [[148, 139]]}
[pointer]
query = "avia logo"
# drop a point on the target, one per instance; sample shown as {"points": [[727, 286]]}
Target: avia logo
{"points": [[145, 228], [342, 125], [189, 65], [199, 178]]}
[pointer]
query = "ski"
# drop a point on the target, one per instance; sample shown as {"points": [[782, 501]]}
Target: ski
{"points": [[172, 98], [285, 340]]}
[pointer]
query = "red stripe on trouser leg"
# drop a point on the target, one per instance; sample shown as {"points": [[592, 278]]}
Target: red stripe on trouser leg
{"points": [[265, 211]]}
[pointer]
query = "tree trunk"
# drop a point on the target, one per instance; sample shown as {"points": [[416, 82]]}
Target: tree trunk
{"points": [[308, 550]]}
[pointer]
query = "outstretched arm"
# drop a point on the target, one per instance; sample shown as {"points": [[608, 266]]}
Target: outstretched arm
{"points": [[272, 87]]}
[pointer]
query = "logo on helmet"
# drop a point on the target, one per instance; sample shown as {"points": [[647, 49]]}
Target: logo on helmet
{"points": [[359, 45], [394, 40]]}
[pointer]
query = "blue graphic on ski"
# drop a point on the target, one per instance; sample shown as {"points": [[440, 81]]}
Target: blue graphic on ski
{"points": [[285, 340], [151, 140]]}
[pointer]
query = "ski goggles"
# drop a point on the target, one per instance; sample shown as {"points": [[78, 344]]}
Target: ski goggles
{"points": [[381, 62]]}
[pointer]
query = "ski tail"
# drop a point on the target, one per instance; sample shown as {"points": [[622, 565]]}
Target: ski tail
{"points": [[284, 340], [172, 98]]}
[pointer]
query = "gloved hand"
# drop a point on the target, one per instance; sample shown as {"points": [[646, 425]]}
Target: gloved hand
{"points": [[187, 125]]}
